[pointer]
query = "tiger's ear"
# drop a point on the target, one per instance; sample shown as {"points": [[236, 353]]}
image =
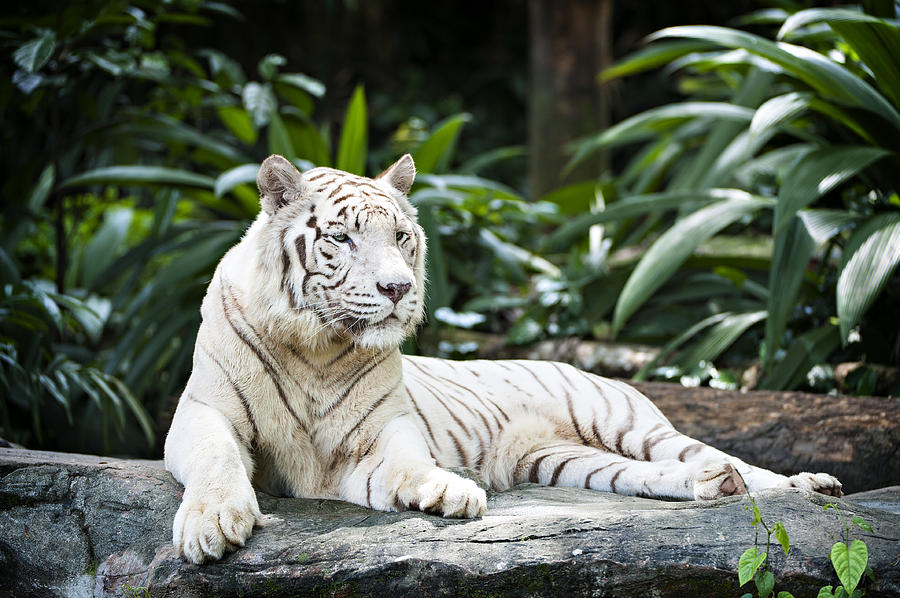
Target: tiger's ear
{"points": [[279, 183], [400, 175]]}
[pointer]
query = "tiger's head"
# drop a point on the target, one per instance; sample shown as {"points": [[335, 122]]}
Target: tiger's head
{"points": [[347, 249]]}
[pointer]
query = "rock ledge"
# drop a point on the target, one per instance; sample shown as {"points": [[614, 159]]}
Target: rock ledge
{"points": [[81, 525]]}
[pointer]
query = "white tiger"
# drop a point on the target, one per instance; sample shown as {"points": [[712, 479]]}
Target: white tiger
{"points": [[299, 389]]}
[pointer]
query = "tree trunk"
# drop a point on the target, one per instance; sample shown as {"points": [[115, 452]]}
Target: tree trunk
{"points": [[570, 45]]}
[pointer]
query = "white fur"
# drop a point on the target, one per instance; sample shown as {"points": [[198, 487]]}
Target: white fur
{"points": [[298, 387]]}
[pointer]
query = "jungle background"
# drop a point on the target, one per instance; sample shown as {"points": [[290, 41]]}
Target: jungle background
{"points": [[724, 194]]}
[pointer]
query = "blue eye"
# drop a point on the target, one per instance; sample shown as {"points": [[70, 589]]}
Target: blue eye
{"points": [[400, 236], [341, 237]]}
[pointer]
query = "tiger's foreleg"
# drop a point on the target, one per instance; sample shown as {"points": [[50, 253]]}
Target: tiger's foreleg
{"points": [[570, 464], [401, 474], [219, 507]]}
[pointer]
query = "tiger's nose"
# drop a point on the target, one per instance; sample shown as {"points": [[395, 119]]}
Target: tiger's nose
{"points": [[394, 290]]}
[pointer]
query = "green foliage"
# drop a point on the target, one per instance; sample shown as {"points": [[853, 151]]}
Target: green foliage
{"points": [[143, 174], [789, 144], [849, 559]]}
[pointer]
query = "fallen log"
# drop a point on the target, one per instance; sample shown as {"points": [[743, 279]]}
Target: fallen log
{"points": [[77, 525], [856, 439]]}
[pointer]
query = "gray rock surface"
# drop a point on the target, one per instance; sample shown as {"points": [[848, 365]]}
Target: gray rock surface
{"points": [[77, 525]]}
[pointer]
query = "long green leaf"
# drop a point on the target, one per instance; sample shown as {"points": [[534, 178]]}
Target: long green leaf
{"points": [[171, 131], [638, 205], [105, 244], [139, 175], [435, 152], [651, 122], [279, 139], [817, 71], [815, 15], [778, 110], [239, 175], [822, 225], [793, 249], [806, 351], [672, 345], [651, 57], [675, 245], [238, 122], [878, 45], [720, 337], [817, 173], [871, 256], [354, 143], [710, 166], [438, 279]]}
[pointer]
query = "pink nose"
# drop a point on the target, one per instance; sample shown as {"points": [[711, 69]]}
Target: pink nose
{"points": [[394, 290]]}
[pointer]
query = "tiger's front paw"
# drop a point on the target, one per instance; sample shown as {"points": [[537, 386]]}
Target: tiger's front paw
{"points": [[450, 495], [211, 521], [816, 482]]}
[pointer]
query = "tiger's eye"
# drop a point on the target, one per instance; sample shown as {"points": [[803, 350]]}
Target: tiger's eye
{"points": [[400, 236], [341, 237]]}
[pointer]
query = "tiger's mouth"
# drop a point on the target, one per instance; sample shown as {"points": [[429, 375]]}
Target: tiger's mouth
{"points": [[356, 325]]}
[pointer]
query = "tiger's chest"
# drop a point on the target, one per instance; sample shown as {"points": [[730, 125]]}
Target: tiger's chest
{"points": [[321, 420]]}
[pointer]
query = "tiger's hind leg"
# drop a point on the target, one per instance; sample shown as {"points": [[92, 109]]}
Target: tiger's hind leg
{"points": [[687, 450], [571, 464]]}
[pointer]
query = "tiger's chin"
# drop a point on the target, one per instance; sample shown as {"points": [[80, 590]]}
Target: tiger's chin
{"points": [[387, 334]]}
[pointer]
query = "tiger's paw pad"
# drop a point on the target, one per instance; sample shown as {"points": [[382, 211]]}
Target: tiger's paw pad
{"points": [[206, 527], [822, 483], [449, 495], [718, 479]]}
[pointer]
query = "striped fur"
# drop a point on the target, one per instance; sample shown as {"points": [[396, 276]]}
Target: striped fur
{"points": [[298, 387]]}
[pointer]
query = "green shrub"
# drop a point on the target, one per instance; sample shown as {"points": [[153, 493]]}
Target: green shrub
{"points": [[765, 207]]}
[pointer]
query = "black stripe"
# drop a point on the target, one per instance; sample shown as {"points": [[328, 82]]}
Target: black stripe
{"points": [[612, 481], [243, 399], [320, 175], [347, 391], [369, 411], [369, 484], [571, 407], [558, 470], [598, 441], [587, 479], [628, 427], [342, 199], [459, 449], [690, 450], [421, 416], [534, 472], [650, 443], [533, 375], [469, 390], [270, 370], [458, 421], [234, 430]]}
